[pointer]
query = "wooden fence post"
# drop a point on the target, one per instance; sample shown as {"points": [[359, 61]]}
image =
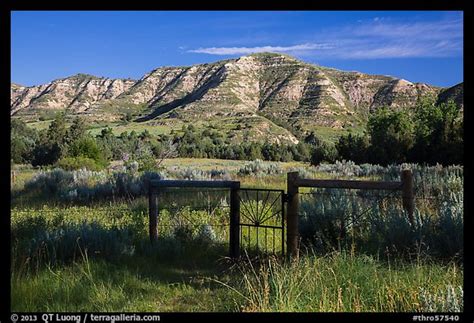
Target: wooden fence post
{"points": [[234, 238], [408, 193], [292, 233], [153, 214]]}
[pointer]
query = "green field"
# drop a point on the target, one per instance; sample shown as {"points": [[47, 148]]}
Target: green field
{"points": [[237, 129], [117, 129], [71, 254], [196, 276]]}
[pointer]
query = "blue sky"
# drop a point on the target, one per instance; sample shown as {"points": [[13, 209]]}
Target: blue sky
{"points": [[420, 46]]}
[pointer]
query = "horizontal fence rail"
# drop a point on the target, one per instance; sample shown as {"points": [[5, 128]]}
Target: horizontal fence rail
{"points": [[234, 207], [196, 184], [348, 184], [294, 182]]}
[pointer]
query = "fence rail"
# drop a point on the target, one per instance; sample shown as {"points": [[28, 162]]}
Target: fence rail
{"points": [[348, 184], [294, 182], [233, 187], [198, 184]]}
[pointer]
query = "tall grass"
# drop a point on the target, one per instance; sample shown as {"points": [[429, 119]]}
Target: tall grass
{"points": [[54, 236], [91, 259], [344, 282], [98, 257], [136, 284]]}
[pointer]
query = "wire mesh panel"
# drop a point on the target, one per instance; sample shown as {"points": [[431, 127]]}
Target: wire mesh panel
{"points": [[262, 221], [194, 213], [330, 218]]}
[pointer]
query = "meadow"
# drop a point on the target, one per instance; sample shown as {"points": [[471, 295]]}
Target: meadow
{"points": [[80, 243]]}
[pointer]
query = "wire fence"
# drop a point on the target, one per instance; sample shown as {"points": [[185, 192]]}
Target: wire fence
{"points": [[352, 207]]}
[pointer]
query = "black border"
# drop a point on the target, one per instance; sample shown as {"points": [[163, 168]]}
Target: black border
{"points": [[430, 5], [246, 5], [5, 249]]}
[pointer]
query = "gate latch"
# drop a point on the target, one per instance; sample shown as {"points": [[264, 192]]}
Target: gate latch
{"points": [[286, 197]]}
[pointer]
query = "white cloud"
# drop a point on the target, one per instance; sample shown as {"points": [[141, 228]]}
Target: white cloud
{"points": [[384, 52], [374, 39], [259, 49], [398, 40], [413, 30]]}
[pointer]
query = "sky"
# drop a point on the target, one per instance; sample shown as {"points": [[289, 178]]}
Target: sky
{"points": [[419, 46]]}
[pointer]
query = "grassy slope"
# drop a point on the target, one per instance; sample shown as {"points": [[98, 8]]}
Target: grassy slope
{"points": [[228, 126]]}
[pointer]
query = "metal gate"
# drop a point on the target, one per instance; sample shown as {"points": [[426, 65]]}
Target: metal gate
{"points": [[258, 220], [262, 221]]}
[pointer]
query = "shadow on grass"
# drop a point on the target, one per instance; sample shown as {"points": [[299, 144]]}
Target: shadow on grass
{"points": [[167, 276], [173, 261]]}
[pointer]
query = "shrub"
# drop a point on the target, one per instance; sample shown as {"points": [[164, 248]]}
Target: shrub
{"points": [[344, 168], [74, 163], [323, 152], [304, 172], [86, 185], [353, 147], [259, 168], [198, 174], [183, 233], [87, 148], [50, 182], [448, 300], [220, 173], [341, 219], [207, 233], [68, 243], [194, 174]]}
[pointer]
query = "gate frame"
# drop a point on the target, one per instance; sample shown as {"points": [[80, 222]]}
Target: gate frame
{"points": [[234, 186], [283, 197], [294, 182]]}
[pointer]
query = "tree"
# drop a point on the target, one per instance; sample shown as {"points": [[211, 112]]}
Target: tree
{"points": [[270, 152], [312, 139], [253, 151], [52, 143], [87, 147], [324, 152], [391, 136], [438, 132], [57, 130], [76, 130], [23, 141], [353, 147], [303, 152]]}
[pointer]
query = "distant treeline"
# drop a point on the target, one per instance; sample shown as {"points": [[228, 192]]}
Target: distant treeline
{"points": [[426, 134]]}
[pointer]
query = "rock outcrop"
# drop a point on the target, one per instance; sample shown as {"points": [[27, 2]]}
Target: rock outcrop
{"points": [[274, 86]]}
